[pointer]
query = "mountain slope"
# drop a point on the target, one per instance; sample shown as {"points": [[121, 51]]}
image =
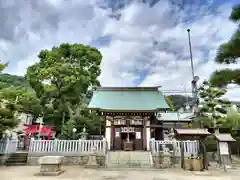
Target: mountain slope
{"points": [[8, 80]]}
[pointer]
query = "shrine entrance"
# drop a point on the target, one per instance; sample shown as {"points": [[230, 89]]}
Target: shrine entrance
{"points": [[128, 138]]}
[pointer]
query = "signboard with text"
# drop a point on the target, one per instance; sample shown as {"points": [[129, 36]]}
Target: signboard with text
{"points": [[127, 129]]}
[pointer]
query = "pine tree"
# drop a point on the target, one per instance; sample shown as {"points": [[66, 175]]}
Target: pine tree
{"points": [[229, 53], [213, 107]]}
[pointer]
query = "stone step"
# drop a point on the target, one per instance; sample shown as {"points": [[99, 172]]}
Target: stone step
{"points": [[15, 164], [129, 159], [17, 159], [129, 165]]}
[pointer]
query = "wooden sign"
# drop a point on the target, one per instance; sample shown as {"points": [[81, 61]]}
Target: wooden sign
{"points": [[138, 135], [117, 134], [223, 146], [136, 122], [127, 129]]}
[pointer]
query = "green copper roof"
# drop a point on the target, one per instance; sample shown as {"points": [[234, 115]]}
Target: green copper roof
{"points": [[174, 116], [132, 98]]}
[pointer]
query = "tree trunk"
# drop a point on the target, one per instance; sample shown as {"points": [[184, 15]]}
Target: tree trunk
{"points": [[63, 121]]}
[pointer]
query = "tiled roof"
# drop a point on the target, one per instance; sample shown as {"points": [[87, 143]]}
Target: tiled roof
{"points": [[174, 116], [224, 137], [135, 98], [192, 131]]}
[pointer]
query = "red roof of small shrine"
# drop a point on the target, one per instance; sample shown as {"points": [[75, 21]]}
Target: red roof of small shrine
{"points": [[36, 129]]}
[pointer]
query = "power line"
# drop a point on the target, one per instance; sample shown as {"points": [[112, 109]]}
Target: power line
{"points": [[189, 90], [178, 93], [190, 93]]}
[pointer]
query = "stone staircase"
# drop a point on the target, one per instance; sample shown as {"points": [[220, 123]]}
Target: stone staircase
{"points": [[129, 159], [17, 159]]}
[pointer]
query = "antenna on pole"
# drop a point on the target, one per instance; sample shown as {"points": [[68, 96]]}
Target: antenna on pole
{"points": [[195, 79], [190, 51]]}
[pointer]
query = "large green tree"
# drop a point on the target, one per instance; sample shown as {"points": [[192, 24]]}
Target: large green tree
{"points": [[7, 117], [229, 53], [7, 111], [169, 102], [63, 77], [214, 107], [2, 66], [179, 101], [25, 101], [233, 121]]}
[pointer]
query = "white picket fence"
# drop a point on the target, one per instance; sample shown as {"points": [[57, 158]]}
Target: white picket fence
{"points": [[8, 146], [190, 147], [67, 146]]}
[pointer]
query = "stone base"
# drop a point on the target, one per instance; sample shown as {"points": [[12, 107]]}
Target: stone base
{"points": [[57, 173], [70, 160], [165, 161], [50, 168], [92, 166], [128, 146], [92, 162]]}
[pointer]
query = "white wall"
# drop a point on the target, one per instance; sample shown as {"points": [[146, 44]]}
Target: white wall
{"points": [[108, 133], [148, 136], [108, 136]]}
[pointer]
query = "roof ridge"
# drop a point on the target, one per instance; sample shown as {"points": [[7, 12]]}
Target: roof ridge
{"points": [[153, 88]]}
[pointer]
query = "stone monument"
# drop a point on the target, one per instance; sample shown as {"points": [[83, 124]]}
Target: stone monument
{"points": [[50, 165], [166, 163], [92, 160]]}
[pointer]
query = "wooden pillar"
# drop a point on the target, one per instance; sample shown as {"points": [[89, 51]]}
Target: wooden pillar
{"points": [[218, 154], [112, 133], [205, 160], [230, 152], [182, 155], [144, 135]]}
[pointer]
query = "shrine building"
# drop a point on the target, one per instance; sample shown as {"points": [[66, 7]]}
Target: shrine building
{"points": [[134, 115]]}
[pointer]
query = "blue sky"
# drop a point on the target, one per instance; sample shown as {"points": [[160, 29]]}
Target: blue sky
{"points": [[143, 42]]}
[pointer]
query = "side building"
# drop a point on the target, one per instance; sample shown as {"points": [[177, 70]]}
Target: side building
{"points": [[134, 115]]}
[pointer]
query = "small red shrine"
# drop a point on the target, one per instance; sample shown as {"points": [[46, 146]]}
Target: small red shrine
{"points": [[34, 129]]}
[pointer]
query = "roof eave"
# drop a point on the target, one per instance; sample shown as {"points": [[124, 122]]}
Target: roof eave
{"points": [[126, 110]]}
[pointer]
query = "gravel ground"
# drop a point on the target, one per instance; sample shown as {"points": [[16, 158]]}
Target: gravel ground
{"points": [[79, 173]]}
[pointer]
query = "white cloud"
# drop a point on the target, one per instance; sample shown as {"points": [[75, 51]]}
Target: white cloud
{"points": [[168, 61], [147, 43]]}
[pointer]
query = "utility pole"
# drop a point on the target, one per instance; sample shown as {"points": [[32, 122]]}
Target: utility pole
{"points": [[194, 78], [190, 51]]}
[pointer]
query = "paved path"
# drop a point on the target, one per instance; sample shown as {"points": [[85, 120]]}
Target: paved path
{"points": [[79, 173]]}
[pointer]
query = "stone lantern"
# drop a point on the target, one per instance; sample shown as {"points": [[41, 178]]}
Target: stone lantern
{"points": [[84, 134]]}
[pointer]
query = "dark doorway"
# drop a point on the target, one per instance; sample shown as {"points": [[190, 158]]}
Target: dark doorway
{"points": [[124, 138], [159, 133], [132, 137]]}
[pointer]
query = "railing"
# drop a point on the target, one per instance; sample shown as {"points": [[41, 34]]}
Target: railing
{"points": [[190, 147], [8, 146], [67, 146]]}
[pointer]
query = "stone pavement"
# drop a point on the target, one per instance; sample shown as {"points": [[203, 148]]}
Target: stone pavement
{"points": [[79, 173]]}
